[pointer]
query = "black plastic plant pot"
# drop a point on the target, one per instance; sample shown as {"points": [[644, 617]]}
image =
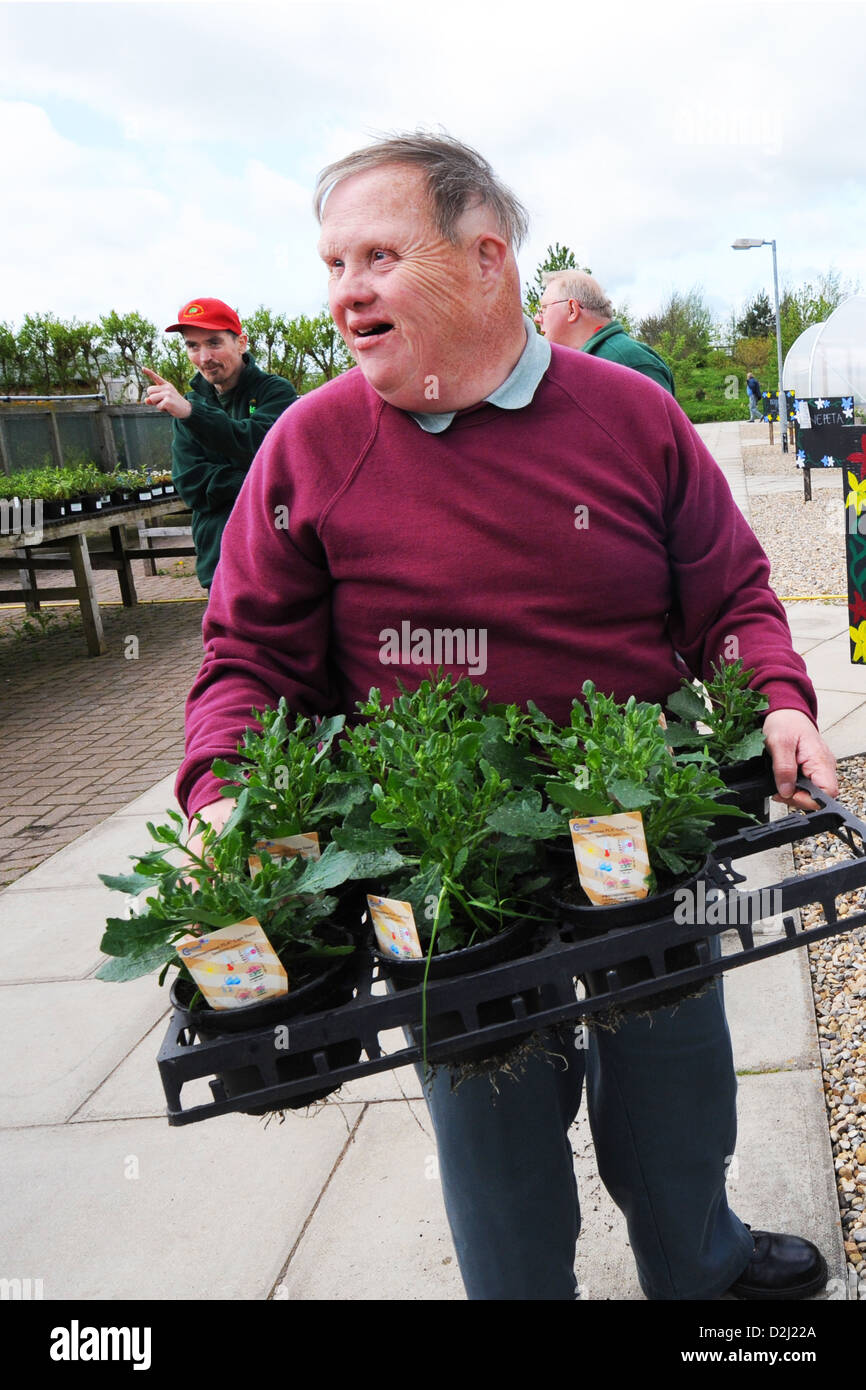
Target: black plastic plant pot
{"points": [[582, 920], [53, 509], [750, 785], [510, 944], [328, 983], [92, 501]]}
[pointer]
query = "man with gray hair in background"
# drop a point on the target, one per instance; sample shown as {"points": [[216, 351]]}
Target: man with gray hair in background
{"points": [[575, 312], [436, 484]]}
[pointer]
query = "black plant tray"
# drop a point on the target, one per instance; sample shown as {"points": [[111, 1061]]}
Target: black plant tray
{"points": [[535, 991]]}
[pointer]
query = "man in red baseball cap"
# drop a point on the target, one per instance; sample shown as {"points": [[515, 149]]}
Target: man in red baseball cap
{"points": [[219, 423]]}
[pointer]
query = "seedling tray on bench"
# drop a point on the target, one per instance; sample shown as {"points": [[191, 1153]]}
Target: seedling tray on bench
{"points": [[533, 992]]}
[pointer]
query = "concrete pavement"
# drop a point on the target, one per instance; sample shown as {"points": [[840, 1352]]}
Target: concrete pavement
{"points": [[345, 1204]]}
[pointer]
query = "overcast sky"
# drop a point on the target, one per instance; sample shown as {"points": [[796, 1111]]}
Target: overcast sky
{"points": [[152, 153]]}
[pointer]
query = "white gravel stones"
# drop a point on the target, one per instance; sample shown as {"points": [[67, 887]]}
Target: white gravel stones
{"points": [[838, 967]]}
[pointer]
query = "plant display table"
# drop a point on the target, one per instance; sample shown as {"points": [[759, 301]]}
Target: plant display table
{"points": [[64, 545], [534, 992]]}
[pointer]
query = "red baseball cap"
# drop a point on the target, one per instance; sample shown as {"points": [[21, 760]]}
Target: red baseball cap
{"points": [[206, 313]]}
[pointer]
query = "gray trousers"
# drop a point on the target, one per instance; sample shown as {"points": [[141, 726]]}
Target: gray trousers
{"points": [[661, 1099]]}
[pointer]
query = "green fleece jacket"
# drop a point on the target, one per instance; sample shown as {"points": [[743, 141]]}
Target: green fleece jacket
{"points": [[211, 452], [613, 343]]}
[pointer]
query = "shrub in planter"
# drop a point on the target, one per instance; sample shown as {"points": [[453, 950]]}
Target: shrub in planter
{"points": [[613, 758], [450, 785], [721, 720], [288, 783], [194, 895]]}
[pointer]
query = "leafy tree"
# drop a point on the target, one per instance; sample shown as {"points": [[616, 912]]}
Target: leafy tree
{"points": [[557, 258], [683, 325], [135, 341], [758, 320], [322, 344], [266, 332], [13, 360], [173, 362], [35, 342]]}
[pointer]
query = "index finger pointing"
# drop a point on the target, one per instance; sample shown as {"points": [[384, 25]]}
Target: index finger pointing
{"points": [[156, 379]]}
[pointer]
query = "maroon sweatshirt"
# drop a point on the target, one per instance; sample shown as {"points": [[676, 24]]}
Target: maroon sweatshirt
{"points": [[588, 535]]}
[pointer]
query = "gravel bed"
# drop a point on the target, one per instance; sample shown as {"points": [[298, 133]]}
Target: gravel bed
{"points": [[838, 969], [768, 458], [804, 541]]}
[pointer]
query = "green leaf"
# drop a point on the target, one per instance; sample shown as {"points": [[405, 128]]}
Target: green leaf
{"points": [[525, 819], [334, 868], [752, 746], [121, 968], [376, 862], [630, 795], [577, 802], [687, 703], [129, 883]]}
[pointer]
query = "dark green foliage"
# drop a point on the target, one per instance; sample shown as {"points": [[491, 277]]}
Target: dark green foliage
{"points": [[214, 888], [451, 791], [612, 758], [732, 718]]}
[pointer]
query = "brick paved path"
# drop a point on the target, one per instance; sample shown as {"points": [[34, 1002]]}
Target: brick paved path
{"points": [[83, 736]]}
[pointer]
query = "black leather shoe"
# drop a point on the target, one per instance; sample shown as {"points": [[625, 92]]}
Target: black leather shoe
{"points": [[781, 1267]]}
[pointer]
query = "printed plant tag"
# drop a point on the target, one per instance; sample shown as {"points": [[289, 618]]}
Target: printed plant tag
{"points": [[394, 925], [611, 854], [234, 966], [287, 847]]}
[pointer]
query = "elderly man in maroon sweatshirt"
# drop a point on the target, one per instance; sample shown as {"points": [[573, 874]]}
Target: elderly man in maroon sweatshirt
{"points": [[467, 475]]}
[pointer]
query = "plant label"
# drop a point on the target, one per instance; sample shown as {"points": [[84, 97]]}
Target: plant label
{"points": [[234, 966], [394, 925], [287, 847], [612, 858]]}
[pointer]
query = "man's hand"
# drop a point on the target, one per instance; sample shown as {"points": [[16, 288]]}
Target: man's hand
{"points": [[794, 743], [216, 813], [166, 397]]}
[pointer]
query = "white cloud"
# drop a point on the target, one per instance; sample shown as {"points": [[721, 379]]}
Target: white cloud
{"points": [[645, 140]]}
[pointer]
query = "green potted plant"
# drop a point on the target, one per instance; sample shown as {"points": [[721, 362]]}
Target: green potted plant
{"points": [[451, 789], [721, 719], [613, 758], [192, 895]]}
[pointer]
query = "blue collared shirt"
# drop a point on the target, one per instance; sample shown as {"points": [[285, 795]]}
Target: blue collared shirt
{"points": [[516, 390]]}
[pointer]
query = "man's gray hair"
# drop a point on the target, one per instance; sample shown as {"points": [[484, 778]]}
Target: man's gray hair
{"points": [[458, 178], [584, 288]]}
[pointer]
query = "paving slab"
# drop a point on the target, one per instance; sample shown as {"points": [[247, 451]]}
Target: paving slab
{"points": [[830, 667], [847, 738], [820, 620], [771, 1015], [52, 933], [835, 705], [380, 1230], [781, 1177], [133, 1090], [61, 1039], [154, 802], [104, 850], [136, 1210]]}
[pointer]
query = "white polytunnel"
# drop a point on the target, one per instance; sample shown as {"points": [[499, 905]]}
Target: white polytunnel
{"points": [[829, 358]]}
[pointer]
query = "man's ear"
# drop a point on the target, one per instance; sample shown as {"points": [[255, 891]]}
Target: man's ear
{"points": [[491, 254], [243, 342], [573, 310]]}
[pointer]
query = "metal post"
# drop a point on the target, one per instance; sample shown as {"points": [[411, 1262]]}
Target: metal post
{"points": [[783, 403]]}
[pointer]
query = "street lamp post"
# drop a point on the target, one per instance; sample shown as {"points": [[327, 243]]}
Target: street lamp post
{"points": [[745, 243]]}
